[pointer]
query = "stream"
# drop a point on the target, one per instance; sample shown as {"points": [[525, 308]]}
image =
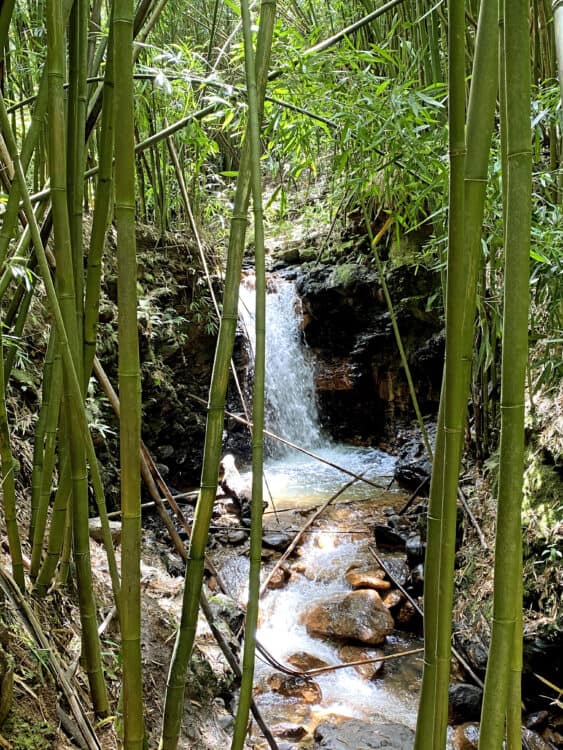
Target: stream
{"points": [[338, 539]]}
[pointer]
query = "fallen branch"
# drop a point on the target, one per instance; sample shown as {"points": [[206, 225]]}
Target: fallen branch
{"points": [[388, 657]]}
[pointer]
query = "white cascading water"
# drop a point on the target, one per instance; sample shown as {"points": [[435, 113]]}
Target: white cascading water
{"points": [[291, 410]]}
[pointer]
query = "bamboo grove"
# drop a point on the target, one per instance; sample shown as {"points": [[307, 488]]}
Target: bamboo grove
{"points": [[82, 148]]}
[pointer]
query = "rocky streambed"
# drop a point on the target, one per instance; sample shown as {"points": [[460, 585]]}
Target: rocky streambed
{"points": [[332, 604]]}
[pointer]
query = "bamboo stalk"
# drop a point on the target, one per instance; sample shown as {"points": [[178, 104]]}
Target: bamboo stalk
{"points": [[463, 262], [101, 215], [504, 661], [258, 406], [129, 377]]}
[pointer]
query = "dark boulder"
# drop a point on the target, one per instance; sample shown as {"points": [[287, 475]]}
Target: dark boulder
{"points": [[464, 703], [389, 539]]}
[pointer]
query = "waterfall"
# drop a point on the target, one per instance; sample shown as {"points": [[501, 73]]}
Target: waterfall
{"points": [[291, 409]]}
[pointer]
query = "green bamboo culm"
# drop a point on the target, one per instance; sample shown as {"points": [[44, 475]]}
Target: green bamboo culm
{"points": [[76, 123], [43, 459], [479, 128], [66, 293], [443, 490], [6, 12], [251, 621], [129, 377], [505, 649], [214, 430], [514, 708], [52, 405], [463, 268]]}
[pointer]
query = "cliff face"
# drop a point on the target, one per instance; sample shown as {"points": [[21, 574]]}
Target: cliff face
{"points": [[361, 384]]}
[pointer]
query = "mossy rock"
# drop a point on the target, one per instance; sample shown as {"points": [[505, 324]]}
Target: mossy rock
{"points": [[288, 255], [308, 254], [344, 276]]}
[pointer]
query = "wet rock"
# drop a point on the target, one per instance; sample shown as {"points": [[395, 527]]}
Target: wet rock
{"points": [[413, 466], [165, 451], [354, 653], [415, 549], [466, 737], [226, 609], [308, 254], [280, 578], [231, 482], [407, 617], [387, 538], [358, 615], [277, 540], [288, 731], [411, 474], [234, 537], [226, 722], [464, 703], [554, 738], [534, 741], [305, 690], [397, 568], [175, 566], [542, 655], [367, 578], [473, 650], [303, 661], [537, 721], [357, 734], [393, 599], [347, 320], [95, 530], [288, 255], [416, 579]]}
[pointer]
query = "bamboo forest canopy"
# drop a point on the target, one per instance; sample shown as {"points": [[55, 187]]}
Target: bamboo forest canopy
{"points": [[356, 104]]}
